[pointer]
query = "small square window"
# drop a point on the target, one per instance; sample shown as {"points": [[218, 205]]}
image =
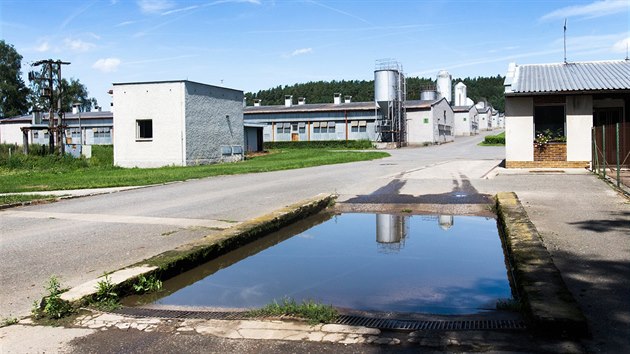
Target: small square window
{"points": [[144, 129], [426, 120]]}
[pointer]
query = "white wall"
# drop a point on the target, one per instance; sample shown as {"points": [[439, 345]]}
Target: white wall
{"points": [[11, 133], [519, 129], [420, 127], [579, 123], [463, 123], [164, 104]]}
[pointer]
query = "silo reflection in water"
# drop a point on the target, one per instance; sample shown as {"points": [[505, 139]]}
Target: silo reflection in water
{"points": [[391, 231]]}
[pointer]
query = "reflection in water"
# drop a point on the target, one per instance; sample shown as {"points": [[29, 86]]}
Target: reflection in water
{"points": [[334, 261], [445, 221], [391, 231]]}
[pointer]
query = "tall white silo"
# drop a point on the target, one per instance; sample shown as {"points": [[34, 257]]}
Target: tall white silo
{"points": [[460, 94], [444, 85]]}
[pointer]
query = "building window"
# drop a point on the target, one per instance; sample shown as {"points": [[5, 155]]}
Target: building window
{"points": [[35, 135], [425, 120], [550, 121], [144, 129]]}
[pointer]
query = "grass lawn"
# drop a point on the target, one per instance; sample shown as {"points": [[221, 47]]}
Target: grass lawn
{"points": [[37, 173], [494, 140]]}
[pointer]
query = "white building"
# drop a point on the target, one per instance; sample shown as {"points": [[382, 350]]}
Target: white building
{"points": [[429, 122], [484, 110], [339, 120], [91, 128], [176, 123], [466, 120], [563, 101]]}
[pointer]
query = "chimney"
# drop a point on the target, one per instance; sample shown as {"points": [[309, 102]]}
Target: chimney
{"points": [[75, 109], [301, 101], [337, 98], [244, 101], [347, 99], [288, 101], [257, 102]]}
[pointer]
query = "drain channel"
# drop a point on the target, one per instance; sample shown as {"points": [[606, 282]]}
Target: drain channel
{"points": [[350, 320]]}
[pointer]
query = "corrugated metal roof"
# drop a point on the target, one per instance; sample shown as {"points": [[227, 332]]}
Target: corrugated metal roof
{"points": [[84, 115], [414, 104], [311, 107], [566, 77]]}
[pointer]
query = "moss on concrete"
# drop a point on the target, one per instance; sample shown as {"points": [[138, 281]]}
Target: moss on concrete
{"points": [[548, 304]]}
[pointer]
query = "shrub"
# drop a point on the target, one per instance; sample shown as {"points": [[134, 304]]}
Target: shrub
{"points": [[494, 139]]}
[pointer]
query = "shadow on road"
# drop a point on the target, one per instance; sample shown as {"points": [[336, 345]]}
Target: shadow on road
{"points": [[461, 193]]}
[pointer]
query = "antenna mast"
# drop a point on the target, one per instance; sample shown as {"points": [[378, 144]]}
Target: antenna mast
{"points": [[565, 40]]}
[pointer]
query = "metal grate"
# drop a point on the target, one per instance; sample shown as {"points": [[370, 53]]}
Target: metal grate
{"points": [[439, 325], [350, 320]]}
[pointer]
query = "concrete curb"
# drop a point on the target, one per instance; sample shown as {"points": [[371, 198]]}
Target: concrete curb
{"points": [[549, 306], [185, 257]]}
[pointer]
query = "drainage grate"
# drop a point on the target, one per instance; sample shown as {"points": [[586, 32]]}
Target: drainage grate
{"points": [[350, 320], [439, 325]]}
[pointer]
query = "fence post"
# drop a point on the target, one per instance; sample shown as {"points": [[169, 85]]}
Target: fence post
{"points": [[618, 163], [596, 154], [604, 148]]}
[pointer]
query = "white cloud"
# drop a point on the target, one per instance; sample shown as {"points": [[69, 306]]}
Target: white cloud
{"points": [[125, 23], [155, 6], [301, 51], [592, 10], [78, 45], [192, 7], [107, 65], [44, 47], [621, 46]]}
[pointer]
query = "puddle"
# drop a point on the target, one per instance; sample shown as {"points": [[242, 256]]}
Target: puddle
{"points": [[372, 262]]}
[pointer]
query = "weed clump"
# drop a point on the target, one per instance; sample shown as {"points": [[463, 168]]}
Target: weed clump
{"points": [[52, 306], [312, 311], [147, 285], [106, 297]]}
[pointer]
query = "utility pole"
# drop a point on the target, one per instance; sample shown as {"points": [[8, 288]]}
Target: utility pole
{"points": [[55, 129]]}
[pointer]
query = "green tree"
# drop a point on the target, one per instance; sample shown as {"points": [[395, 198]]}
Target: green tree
{"points": [[13, 91], [73, 92]]}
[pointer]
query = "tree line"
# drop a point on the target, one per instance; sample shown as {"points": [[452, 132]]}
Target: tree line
{"points": [[16, 98], [489, 89]]}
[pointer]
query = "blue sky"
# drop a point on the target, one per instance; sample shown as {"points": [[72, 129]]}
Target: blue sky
{"points": [[258, 44]]}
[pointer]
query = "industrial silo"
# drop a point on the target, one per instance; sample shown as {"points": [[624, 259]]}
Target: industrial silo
{"points": [[390, 96], [428, 95], [460, 94], [444, 82]]}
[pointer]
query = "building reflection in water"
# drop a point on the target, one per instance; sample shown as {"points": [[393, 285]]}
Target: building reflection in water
{"points": [[392, 230]]}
